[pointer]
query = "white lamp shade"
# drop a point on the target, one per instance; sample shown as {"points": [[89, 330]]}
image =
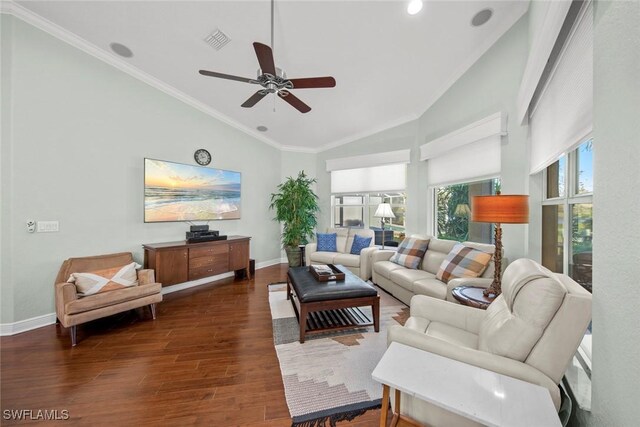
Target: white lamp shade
{"points": [[384, 211]]}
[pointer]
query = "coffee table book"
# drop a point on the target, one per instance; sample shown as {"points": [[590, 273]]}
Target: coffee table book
{"points": [[321, 276]]}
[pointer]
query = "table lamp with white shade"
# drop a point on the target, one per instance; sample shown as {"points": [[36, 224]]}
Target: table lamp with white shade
{"points": [[384, 211]]}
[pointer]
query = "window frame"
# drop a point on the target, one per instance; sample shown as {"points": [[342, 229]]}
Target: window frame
{"points": [[571, 197], [366, 197], [433, 196]]}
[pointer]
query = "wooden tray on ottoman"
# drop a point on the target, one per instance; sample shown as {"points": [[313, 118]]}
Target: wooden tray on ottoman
{"points": [[337, 274]]}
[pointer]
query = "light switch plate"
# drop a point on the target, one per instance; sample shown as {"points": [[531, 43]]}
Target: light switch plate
{"points": [[48, 226]]}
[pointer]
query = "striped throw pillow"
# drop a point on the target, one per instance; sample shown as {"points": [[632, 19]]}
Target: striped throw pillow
{"points": [[463, 261], [105, 280], [410, 252]]}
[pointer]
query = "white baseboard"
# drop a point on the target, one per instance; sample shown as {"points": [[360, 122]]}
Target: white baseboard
{"points": [[27, 324], [20, 326], [269, 263], [193, 283]]}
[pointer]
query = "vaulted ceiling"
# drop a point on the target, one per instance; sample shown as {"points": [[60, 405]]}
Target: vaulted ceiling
{"points": [[389, 66]]}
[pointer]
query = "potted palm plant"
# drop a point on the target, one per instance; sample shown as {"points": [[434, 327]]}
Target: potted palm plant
{"points": [[296, 206]]}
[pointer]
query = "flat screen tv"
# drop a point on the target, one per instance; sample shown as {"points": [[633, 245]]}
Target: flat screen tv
{"points": [[180, 192]]}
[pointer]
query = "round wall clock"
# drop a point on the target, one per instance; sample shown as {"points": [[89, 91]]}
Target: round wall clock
{"points": [[202, 157]]}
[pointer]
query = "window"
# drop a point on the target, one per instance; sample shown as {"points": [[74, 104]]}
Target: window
{"points": [[453, 211], [567, 215], [357, 210], [348, 210], [567, 224]]}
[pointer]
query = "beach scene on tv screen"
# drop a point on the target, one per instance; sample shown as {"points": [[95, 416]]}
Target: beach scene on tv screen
{"points": [[179, 192]]}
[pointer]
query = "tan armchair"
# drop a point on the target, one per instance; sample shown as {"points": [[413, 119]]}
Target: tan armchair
{"points": [[530, 332], [72, 310]]}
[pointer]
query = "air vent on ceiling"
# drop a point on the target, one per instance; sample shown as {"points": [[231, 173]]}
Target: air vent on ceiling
{"points": [[217, 39]]}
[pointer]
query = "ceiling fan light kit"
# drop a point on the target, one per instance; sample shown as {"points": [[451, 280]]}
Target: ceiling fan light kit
{"points": [[274, 80]]}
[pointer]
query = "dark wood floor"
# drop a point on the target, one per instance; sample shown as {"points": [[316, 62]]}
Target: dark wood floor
{"points": [[208, 359]]}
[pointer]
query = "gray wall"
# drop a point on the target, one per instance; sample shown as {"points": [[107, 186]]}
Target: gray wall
{"points": [[6, 291], [489, 86], [73, 152], [616, 205]]}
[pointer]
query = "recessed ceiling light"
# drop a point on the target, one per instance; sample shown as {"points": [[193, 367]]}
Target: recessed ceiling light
{"points": [[481, 17], [121, 50], [262, 128], [414, 7]]}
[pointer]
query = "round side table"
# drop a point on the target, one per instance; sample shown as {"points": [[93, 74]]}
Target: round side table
{"points": [[471, 296]]}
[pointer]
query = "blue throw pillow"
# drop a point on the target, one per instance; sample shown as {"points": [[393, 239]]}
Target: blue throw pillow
{"points": [[327, 242], [359, 243]]}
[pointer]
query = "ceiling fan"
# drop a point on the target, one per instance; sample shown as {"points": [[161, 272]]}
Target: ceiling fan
{"points": [[274, 80]]}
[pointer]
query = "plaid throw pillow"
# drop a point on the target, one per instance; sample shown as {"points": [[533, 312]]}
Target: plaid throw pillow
{"points": [[410, 252], [463, 261]]}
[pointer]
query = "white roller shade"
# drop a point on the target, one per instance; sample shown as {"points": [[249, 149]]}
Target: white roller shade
{"points": [[468, 154], [563, 114], [377, 178], [369, 160], [473, 162]]}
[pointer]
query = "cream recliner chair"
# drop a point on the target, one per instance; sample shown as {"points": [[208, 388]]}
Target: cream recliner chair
{"points": [[530, 332]]}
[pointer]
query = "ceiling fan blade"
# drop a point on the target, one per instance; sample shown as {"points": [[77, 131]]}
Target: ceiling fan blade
{"points": [[226, 76], [294, 101], [265, 58], [254, 99], [313, 82]]}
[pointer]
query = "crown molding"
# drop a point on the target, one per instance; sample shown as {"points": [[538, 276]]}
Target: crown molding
{"points": [[10, 7], [296, 149]]}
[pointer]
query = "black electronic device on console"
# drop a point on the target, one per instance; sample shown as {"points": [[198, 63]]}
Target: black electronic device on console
{"points": [[201, 233]]}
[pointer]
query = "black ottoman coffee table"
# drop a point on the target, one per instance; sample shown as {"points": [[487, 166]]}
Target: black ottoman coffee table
{"points": [[333, 305]]}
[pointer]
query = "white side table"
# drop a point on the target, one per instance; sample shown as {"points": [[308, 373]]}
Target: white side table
{"points": [[481, 395]]}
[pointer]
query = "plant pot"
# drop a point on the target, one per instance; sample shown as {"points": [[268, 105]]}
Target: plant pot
{"points": [[294, 256]]}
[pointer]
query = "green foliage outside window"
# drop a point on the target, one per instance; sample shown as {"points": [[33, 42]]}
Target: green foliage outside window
{"points": [[450, 226]]}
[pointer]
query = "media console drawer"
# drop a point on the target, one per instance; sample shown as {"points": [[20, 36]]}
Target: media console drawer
{"points": [[179, 262], [208, 251]]}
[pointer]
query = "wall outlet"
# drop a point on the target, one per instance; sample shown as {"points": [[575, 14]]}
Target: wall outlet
{"points": [[48, 226], [31, 226]]}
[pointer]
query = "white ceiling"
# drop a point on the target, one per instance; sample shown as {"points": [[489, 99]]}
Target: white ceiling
{"points": [[389, 66]]}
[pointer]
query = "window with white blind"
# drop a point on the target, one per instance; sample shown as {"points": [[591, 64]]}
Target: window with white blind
{"points": [[560, 124], [472, 153], [561, 114], [356, 192]]}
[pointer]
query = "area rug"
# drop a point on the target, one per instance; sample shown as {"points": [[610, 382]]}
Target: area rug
{"points": [[328, 378]]}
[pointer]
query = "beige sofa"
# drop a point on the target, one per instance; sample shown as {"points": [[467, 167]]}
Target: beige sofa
{"points": [[404, 283], [359, 265], [530, 332]]}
